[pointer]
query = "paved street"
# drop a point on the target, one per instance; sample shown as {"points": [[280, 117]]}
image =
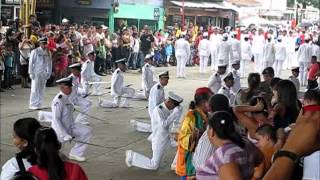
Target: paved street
{"points": [[112, 131]]}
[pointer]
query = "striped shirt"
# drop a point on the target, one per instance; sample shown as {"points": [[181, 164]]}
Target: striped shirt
{"points": [[228, 153], [203, 151]]}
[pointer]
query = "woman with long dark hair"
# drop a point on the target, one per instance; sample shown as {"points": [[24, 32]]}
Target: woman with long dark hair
{"points": [[23, 134], [234, 157], [287, 106], [244, 96], [50, 166], [193, 126]]}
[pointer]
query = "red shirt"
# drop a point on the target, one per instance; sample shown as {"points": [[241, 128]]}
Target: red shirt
{"points": [[73, 172], [51, 45], [313, 71]]}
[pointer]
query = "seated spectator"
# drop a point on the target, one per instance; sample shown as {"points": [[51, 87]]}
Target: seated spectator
{"points": [[50, 166], [311, 164], [205, 149], [252, 116], [264, 88], [234, 157], [244, 96], [23, 134], [267, 138]]}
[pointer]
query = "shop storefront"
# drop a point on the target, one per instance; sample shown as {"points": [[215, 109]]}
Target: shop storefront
{"points": [[9, 10], [138, 15], [219, 14]]}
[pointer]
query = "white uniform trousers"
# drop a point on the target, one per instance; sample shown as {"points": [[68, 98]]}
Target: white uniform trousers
{"points": [[158, 150], [245, 66], [127, 93], [85, 106], [303, 75], [181, 65], [278, 66], [142, 126], [203, 63], [214, 63], [37, 88], [266, 64], [258, 62], [82, 134], [288, 61]]}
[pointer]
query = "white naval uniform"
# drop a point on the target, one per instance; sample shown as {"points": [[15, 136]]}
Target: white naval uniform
{"points": [[162, 119], [224, 52], [280, 57], [304, 55], [290, 47], [246, 55], [147, 79], [236, 50], [64, 125], [77, 99], [118, 91], [215, 83], [182, 53], [11, 167], [316, 51], [237, 85], [40, 68], [215, 40], [88, 75], [204, 53], [228, 93], [156, 97], [257, 50], [268, 55]]}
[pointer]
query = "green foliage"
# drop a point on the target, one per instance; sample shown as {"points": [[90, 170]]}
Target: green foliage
{"points": [[314, 3]]}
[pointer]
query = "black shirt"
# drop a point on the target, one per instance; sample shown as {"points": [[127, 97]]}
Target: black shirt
{"points": [[146, 40]]}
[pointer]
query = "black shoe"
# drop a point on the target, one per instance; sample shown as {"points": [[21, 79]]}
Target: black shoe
{"points": [[2, 90], [11, 88]]}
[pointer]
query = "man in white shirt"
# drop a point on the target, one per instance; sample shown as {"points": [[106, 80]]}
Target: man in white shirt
{"points": [[204, 52]]}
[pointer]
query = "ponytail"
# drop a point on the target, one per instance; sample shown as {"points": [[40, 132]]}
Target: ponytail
{"points": [[47, 149], [192, 105], [222, 123]]}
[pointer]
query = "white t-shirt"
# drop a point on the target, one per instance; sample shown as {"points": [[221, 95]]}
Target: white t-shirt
{"points": [[25, 52], [11, 167]]}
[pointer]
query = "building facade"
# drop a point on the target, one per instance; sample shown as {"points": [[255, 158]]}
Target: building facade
{"points": [[137, 13], [208, 12]]}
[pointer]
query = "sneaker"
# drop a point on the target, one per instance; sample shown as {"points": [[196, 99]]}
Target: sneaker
{"points": [[34, 108], [76, 158], [129, 158]]}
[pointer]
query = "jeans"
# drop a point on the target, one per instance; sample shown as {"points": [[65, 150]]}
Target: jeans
{"points": [[8, 76], [99, 65], [140, 61], [133, 60]]}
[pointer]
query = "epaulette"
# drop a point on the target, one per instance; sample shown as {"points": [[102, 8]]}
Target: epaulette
{"points": [[147, 65], [160, 107], [224, 88], [216, 74], [88, 61], [159, 87], [118, 71], [60, 96]]}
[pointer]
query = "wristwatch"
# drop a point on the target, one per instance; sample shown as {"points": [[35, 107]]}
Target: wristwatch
{"points": [[282, 153]]}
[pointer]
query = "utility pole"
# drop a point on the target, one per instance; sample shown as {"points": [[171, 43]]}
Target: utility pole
{"points": [[182, 16]]}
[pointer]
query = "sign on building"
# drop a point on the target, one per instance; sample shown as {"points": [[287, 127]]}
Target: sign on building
{"points": [[156, 13]]}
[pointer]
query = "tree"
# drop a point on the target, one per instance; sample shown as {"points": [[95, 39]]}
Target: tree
{"points": [[305, 3], [290, 3]]}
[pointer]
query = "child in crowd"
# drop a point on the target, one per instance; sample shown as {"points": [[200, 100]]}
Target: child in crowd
{"points": [[9, 66], [267, 138], [295, 78], [314, 72]]}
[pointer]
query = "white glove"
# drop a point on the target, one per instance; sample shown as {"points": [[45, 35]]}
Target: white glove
{"points": [[67, 138], [177, 109], [32, 76]]}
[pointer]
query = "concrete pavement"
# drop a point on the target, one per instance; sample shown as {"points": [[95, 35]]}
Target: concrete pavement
{"points": [[112, 130]]}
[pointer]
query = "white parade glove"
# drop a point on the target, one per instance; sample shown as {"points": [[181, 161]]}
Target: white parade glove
{"points": [[67, 138], [32, 76]]}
